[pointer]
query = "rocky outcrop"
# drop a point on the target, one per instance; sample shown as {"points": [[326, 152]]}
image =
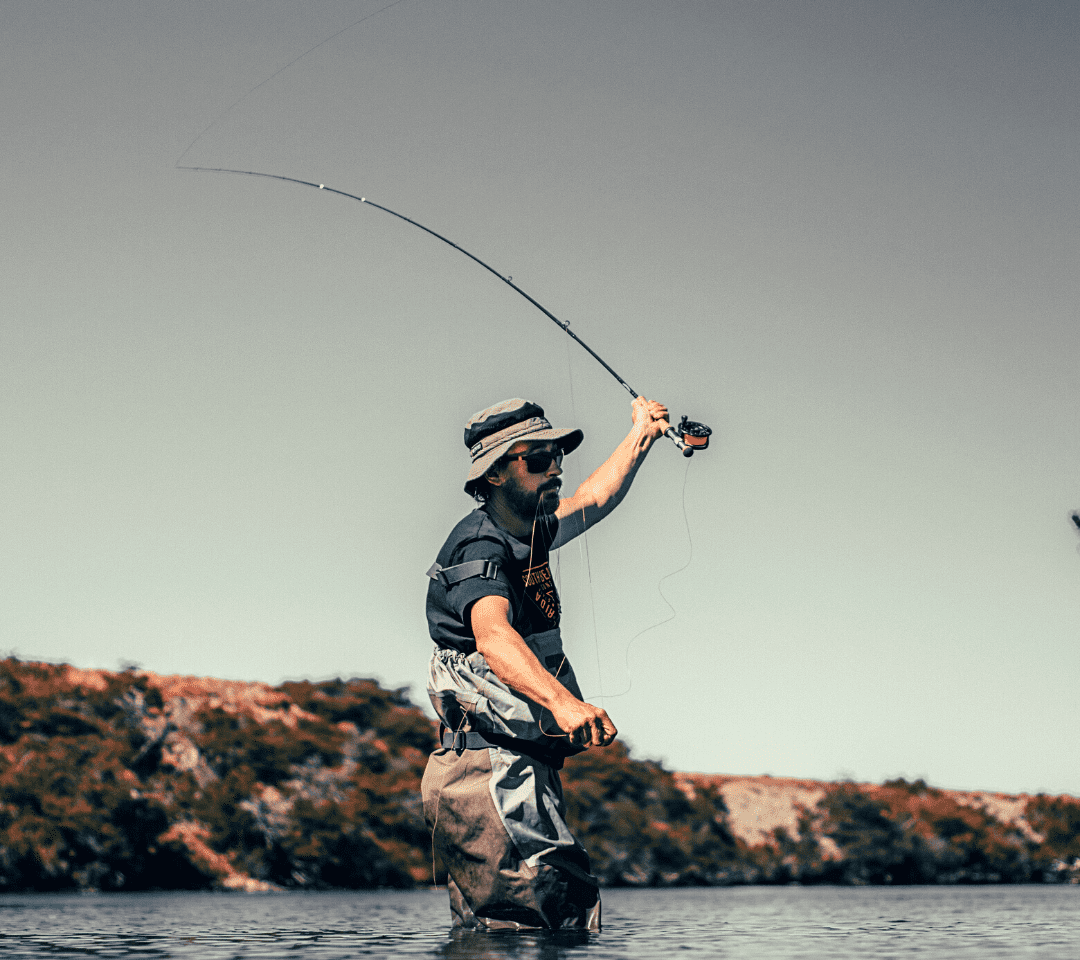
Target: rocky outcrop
{"points": [[758, 806], [899, 831]]}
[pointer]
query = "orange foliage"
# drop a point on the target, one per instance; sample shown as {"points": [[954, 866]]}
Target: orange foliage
{"points": [[129, 780]]}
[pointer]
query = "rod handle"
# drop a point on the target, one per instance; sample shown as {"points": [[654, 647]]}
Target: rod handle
{"points": [[678, 441]]}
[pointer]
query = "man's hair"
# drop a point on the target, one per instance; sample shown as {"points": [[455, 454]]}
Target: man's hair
{"points": [[481, 489]]}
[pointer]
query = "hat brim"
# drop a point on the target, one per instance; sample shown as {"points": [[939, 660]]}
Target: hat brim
{"points": [[568, 440]]}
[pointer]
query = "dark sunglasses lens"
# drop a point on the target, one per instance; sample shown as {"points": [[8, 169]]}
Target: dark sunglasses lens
{"points": [[539, 462]]}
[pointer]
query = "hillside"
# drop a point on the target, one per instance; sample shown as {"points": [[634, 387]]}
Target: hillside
{"points": [[131, 781]]}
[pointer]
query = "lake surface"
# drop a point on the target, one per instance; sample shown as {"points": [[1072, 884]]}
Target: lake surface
{"points": [[772, 923]]}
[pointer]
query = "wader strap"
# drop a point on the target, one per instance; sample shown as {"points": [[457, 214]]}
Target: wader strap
{"points": [[474, 740], [448, 576]]}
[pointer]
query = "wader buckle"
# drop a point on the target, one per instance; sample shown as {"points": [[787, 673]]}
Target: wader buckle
{"points": [[459, 742]]}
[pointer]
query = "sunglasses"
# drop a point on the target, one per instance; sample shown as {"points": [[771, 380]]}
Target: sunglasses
{"points": [[539, 461]]}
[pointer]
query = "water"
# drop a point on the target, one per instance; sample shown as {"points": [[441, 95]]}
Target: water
{"points": [[772, 923]]}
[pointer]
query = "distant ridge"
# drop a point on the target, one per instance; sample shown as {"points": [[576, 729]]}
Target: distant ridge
{"points": [[130, 780]]}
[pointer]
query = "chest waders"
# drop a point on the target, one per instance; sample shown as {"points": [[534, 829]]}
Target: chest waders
{"points": [[492, 794]]}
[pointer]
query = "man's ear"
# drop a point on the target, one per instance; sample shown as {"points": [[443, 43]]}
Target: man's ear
{"points": [[494, 476]]}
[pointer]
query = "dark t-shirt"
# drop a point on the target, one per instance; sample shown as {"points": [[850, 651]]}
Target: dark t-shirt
{"points": [[524, 579]]}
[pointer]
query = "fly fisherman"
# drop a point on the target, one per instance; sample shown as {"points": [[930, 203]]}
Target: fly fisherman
{"points": [[510, 706]]}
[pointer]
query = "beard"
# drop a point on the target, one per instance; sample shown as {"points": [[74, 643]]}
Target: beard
{"points": [[528, 505]]}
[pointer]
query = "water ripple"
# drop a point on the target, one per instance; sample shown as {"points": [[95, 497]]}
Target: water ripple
{"points": [[820, 923]]}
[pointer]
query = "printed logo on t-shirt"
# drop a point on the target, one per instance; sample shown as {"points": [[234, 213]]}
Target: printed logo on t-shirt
{"points": [[540, 588]]}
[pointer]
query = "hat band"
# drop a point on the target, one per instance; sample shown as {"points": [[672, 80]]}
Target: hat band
{"points": [[508, 435]]}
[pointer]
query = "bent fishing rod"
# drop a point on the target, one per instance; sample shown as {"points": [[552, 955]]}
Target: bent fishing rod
{"points": [[688, 436]]}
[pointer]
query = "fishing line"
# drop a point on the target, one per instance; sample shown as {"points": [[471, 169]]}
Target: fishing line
{"points": [[235, 103], [583, 554], [688, 436], [438, 800], [583, 542], [663, 596]]}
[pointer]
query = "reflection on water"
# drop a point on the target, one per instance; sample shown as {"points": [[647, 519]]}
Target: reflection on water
{"points": [[508, 945], [771, 923]]}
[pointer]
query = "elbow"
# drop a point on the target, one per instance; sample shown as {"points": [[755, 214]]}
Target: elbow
{"points": [[496, 649], [605, 505]]}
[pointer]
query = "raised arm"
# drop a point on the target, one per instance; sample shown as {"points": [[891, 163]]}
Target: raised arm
{"points": [[516, 665], [604, 490]]}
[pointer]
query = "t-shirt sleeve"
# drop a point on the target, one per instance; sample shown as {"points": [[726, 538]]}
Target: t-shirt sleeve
{"points": [[465, 592]]}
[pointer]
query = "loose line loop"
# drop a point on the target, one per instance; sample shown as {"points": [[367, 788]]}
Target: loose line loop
{"points": [[663, 596]]}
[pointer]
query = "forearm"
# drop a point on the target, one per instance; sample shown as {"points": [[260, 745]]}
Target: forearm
{"points": [[609, 483], [517, 666]]}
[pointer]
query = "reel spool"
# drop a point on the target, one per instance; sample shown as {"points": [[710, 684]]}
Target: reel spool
{"points": [[694, 436]]}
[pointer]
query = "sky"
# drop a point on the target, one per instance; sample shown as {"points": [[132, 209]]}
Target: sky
{"points": [[843, 234]]}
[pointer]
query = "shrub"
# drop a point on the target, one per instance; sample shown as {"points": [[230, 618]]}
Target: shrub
{"points": [[640, 829]]}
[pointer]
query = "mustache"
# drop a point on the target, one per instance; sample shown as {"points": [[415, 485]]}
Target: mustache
{"points": [[554, 485]]}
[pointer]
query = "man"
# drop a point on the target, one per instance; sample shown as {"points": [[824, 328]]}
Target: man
{"points": [[509, 702]]}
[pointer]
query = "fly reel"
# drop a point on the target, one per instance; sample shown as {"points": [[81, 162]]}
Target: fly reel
{"points": [[692, 436]]}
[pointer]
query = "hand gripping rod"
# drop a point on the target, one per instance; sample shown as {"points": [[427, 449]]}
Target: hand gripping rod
{"points": [[697, 433]]}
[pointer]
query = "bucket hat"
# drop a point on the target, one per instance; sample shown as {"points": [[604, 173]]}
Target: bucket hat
{"points": [[491, 432]]}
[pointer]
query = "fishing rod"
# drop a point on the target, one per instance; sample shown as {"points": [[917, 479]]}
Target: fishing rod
{"points": [[688, 436]]}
